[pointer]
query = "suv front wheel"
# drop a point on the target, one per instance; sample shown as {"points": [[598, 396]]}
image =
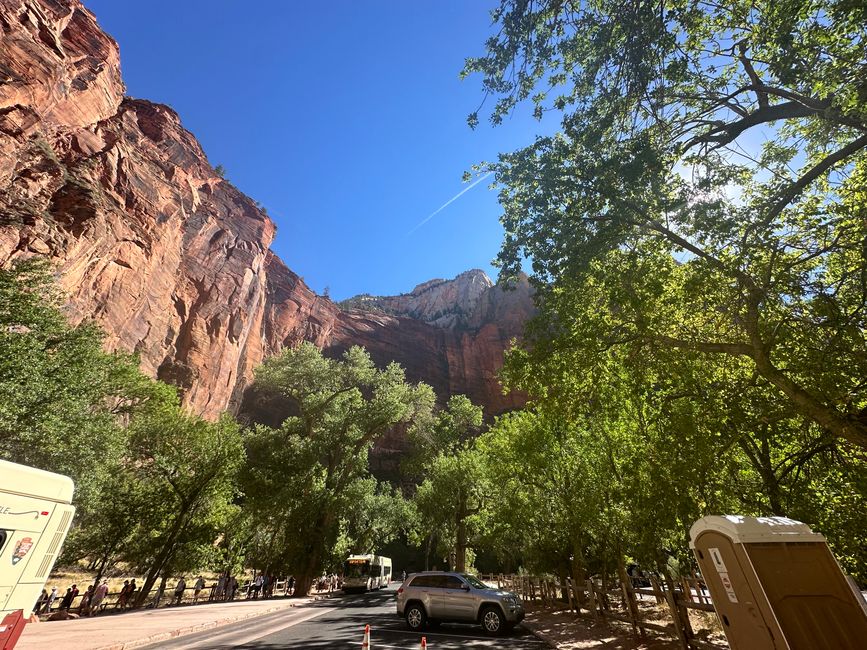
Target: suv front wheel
{"points": [[415, 617], [492, 620]]}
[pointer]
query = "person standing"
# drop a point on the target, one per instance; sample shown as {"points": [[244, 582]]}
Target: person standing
{"points": [[291, 585], [130, 598], [98, 596], [197, 588], [66, 603], [51, 598], [123, 595], [233, 587], [179, 590], [84, 606], [40, 603], [219, 588]]}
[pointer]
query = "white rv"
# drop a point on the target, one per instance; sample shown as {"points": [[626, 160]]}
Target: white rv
{"points": [[35, 515]]}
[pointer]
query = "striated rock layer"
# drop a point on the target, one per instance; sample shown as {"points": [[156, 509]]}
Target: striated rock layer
{"points": [[173, 261]]}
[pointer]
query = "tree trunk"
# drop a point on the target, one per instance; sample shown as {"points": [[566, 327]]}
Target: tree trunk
{"points": [[161, 590], [578, 575], [161, 560], [312, 563], [461, 547]]}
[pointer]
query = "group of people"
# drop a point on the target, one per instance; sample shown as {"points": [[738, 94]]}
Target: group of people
{"points": [[225, 589], [91, 599], [329, 581], [263, 585]]}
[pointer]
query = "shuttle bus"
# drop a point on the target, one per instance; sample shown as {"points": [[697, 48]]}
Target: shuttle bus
{"points": [[35, 515], [366, 572]]}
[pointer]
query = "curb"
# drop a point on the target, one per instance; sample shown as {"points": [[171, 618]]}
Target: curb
{"points": [[201, 627]]}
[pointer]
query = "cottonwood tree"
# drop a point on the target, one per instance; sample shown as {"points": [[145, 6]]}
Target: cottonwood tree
{"points": [[306, 480], [188, 469], [665, 436], [452, 491], [63, 400], [709, 181]]}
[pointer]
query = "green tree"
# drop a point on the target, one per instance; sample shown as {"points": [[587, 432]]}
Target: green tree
{"points": [[63, 399], [709, 176], [669, 436], [306, 480], [188, 469], [451, 492]]}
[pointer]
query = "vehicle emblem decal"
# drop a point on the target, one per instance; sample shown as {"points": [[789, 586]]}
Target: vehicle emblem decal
{"points": [[22, 548]]}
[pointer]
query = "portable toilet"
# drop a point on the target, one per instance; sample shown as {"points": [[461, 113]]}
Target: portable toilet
{"points": [[776, 586]]}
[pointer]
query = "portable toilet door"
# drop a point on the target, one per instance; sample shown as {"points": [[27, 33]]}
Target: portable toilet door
{"points": [[776, 585]]}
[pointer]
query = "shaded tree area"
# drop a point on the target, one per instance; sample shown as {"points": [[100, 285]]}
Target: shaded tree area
{"points": [[153, 484], [160, 492], [308, 486], [696, 237], [709, 175]]}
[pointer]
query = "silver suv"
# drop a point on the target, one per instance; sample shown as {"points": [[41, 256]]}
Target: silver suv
{"points": [[438, 596]]}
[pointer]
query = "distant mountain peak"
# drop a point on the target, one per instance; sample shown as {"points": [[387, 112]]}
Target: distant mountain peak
{"points": [[443, 303]]}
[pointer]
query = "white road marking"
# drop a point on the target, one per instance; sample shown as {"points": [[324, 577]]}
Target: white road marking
{"points": [[261, 632]]}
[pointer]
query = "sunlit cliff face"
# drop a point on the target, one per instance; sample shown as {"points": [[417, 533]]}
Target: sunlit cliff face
{"points": [[170, 259]]}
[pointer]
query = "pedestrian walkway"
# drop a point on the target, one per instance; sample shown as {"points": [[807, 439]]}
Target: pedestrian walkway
{"points": [[141, 628]]}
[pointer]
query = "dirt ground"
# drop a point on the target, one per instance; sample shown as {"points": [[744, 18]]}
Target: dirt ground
{"points": [[567, 631]]}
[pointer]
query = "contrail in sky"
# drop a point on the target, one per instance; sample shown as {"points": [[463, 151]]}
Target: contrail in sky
{"points": [[449, 202]]}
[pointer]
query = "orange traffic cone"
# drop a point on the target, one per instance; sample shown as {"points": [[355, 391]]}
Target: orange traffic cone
{"points": [[365, 645], [424, 643]]}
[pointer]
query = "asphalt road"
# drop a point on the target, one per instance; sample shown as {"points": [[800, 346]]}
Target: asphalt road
{"points": [[338, 624]]}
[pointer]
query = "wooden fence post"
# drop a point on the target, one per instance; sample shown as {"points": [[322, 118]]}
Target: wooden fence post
{"points": [[629, 600], [657, 590], [679, 614], [698, 590], [591, 593]]}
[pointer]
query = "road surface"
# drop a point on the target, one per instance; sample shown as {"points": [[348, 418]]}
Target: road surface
{"points": [[338, 624]]}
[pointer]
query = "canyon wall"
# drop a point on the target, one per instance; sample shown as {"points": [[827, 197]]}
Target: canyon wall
{"points": [[170, 259]]}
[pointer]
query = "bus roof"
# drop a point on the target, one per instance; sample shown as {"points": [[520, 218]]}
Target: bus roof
{"points": [[32, 482]]}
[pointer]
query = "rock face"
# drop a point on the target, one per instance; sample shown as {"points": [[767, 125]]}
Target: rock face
{"points": [[171, 260], [444, 303]]}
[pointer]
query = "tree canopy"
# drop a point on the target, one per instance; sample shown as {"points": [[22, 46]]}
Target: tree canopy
{"points": [[707, 185], [308, 483]]}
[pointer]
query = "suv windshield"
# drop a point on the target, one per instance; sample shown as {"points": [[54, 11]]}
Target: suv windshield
{"points": [[478, 584]]}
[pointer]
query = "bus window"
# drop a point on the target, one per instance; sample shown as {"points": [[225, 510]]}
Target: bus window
{"points": [[356, 569]]}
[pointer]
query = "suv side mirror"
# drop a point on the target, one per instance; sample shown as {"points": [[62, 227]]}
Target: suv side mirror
{"points": [[465, 587]]}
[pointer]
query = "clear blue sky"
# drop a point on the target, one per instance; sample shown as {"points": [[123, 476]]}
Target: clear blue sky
{"points": [[345, 119]]}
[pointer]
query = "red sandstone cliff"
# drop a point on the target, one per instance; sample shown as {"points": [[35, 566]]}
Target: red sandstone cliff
{"points": [[172, 260]]}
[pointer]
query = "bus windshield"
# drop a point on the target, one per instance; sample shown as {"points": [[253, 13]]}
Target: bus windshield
{"points": [[356, 568]]}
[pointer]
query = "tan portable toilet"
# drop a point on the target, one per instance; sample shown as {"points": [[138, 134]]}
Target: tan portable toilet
{"points": [[776, 585]]}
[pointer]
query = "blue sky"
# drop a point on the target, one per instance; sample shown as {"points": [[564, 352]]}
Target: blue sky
{"points": [[346, 120]]}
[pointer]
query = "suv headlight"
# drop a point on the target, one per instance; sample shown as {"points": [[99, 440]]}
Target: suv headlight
{"points": [[512, 600]]}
